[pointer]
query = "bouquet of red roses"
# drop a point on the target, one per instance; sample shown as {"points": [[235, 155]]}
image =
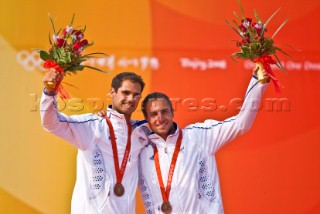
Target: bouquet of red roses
{"points": [[65, 54], [257, 47]]}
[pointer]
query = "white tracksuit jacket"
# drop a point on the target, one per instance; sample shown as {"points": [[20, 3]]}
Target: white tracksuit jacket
{"points": [[195, 185], [96, 177]]}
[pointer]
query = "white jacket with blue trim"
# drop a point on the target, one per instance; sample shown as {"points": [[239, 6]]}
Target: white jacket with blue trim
{"points": [[195, 185], [96, 177]]}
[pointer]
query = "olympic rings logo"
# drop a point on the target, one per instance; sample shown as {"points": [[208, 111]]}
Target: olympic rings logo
{"points": [[30, 60]]}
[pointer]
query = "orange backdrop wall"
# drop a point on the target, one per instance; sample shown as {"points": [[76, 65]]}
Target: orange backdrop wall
{"points": [[181, 48]]}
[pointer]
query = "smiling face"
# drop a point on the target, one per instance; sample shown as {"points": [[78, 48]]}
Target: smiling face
{"points": [[160, 117], [126, 99]]}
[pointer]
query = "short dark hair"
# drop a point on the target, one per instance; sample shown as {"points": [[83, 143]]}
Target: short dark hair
{"points": [[154, 96], [119, 78]]}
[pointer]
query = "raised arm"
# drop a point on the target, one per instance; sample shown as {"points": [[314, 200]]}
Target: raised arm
{"points": [[79, 130], [241, 123], [214, 134]]}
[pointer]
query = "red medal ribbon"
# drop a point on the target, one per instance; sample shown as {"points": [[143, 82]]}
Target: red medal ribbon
{"points": [[266, 61], [165, 191], [119, 172]]}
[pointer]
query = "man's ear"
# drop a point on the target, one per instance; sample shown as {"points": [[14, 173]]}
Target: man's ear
{"points": [[112, 92]]}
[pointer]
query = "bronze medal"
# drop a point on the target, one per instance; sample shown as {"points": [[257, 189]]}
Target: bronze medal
{"points": [[118, 189], [166, 207]]}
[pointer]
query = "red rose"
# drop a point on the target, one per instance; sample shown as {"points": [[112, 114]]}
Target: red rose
{"points": [[78, 34], [246, 22], [259, 30], [242, 28], [246, 41], [76, 46], [258, 27], [67, 30], [84, 42], [60, 42], [64, 32]]}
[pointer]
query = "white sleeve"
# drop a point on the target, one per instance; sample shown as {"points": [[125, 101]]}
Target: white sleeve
{"points": [[79, 130], [214, 134]]}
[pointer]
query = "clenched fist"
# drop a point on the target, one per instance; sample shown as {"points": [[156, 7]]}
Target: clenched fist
{"points": [[50, 79], [266, 77]]}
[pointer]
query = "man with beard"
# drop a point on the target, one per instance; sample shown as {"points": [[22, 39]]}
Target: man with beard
{"points": [[177, 168], [107, 171]]}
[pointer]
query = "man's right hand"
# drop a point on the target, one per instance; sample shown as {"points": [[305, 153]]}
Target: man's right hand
{"points": [[52, 76], [266, 77]]}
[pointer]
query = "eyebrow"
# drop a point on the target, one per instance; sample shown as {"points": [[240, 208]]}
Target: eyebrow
{"points": [[161, 110], [127, 91]]}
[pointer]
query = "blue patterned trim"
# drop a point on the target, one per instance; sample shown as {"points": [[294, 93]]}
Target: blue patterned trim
{"points": [[139, 123], [210, 127], [46, 93], [65, 121]]}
